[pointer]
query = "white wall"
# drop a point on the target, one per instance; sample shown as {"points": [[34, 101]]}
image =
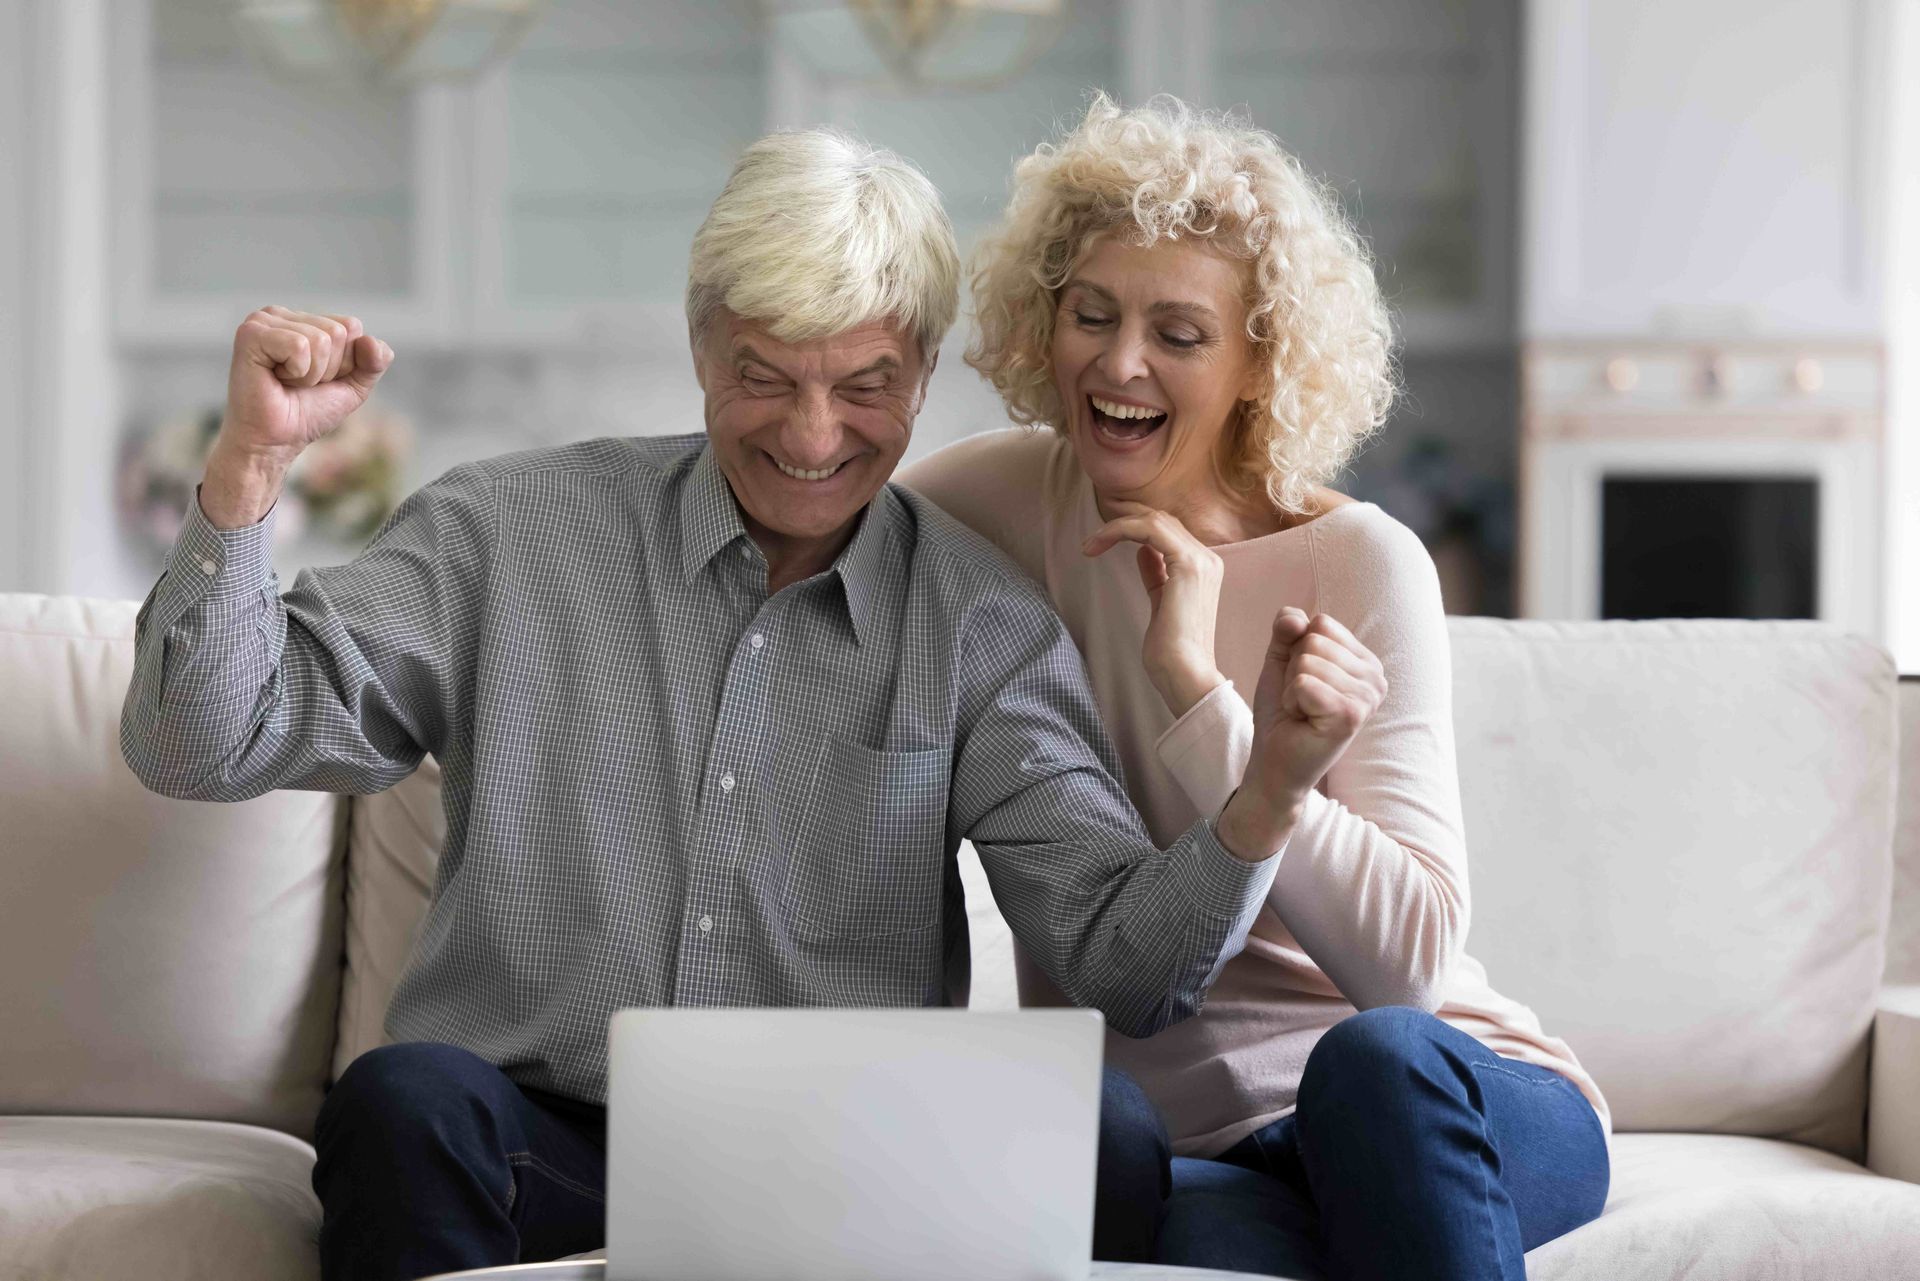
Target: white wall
{"points": [[1903, 343], [14, 198], [58, 428]]}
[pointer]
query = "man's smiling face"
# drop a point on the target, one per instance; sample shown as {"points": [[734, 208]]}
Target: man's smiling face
{"points": [[807, 433]]}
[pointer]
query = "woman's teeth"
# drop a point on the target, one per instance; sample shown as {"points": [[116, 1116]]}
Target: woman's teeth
{"points": [[1125, 422], [801, 474], [1112, 410]]}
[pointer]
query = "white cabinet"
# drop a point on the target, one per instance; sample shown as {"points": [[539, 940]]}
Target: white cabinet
{"points": [[597, 150], [968, 139], [235, 185], [1714, 166], [1406, 107], [551, 202]]}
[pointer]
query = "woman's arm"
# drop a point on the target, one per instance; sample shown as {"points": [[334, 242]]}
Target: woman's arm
{"points": [[1373, 883]]}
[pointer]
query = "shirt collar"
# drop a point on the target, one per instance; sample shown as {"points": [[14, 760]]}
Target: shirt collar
{"points": [[862, 561], [710, 523], [709, 516]]}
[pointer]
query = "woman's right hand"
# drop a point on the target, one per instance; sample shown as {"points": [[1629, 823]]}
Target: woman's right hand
{"points": [[1319, 685], [1182, 577], [295, 376]]}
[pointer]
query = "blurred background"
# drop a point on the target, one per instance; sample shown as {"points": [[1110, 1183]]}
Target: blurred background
{"points": [[1655, 264]]}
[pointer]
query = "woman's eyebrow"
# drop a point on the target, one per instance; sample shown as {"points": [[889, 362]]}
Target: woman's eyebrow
{"points": [[1087, 286], [1186, 310]]}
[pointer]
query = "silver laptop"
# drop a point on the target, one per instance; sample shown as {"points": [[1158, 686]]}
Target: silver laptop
{"points": [[851, 1145]]}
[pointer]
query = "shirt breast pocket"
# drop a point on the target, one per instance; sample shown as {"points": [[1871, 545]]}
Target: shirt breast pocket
{"points": [[870, 856]]}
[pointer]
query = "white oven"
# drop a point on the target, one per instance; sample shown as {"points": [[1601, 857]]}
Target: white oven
{"points": [[1703, 480]]}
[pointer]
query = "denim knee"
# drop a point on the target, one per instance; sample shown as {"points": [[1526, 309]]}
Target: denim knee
{"points": [[1130, 1126], [1364, 1055], [408, 1089], [1133, 1179]]}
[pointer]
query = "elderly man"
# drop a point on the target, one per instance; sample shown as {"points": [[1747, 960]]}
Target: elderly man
{"points": [[714, 712]]}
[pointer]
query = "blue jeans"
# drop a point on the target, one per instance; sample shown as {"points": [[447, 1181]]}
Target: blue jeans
{"points": [[431, 1160], [1414, 1152]]}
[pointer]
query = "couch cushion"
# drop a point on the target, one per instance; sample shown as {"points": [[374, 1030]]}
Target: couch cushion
{"points": [[158, 1200], [1723, 1208], [157, 957], [393, 844], [1680, 839], [1903, 945]]}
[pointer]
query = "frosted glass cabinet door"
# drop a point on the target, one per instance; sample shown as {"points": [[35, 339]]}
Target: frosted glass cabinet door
{"points": [[1405, 106], [967, 139], [241, 184], [600, 145]]}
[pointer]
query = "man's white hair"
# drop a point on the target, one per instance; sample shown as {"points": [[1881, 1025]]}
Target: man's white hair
{"points": [[817, 233]]}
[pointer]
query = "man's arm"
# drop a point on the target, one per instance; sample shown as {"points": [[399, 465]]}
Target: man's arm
{"points": [[1120, 926], [347, 681], [340, 685]]}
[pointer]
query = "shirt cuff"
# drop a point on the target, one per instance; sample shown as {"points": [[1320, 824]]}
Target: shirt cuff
{"points": [[222, 566], [1220, 884], [1206, 750]]}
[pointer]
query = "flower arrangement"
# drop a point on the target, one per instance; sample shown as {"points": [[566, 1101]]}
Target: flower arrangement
{"points": [[341, 488], [350, 478]]}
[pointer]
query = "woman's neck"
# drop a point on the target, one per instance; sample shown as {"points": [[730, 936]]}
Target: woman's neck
{"points": [[1213, 515]]}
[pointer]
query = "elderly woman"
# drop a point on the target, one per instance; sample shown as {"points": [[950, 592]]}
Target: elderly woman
{"points": [[1195, 321]]}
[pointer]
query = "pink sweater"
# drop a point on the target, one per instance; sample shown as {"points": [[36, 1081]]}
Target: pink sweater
{"points": [[1369, 905]]}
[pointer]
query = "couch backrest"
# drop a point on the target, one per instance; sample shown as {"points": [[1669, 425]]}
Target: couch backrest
{"points": [[1903, 944], [1680, 836], [157, 957], [395, 838], [1679, 840]]}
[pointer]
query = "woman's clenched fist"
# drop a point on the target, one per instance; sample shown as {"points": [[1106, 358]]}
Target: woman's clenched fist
{"points": [[1318, 686]]}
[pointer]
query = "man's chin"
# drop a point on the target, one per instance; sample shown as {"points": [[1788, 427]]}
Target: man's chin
{"points": [[803, 522]]}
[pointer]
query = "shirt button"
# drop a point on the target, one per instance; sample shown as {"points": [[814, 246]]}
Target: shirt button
{"points": [[706, 925], [208, 568], [758, 640], [726, 782]]}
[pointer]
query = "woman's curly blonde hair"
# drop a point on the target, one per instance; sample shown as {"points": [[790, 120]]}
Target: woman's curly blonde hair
{"points": [[1166, 170]]}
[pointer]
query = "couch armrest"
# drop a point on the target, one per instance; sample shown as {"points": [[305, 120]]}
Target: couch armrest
{"points": [[1893, 1095]]}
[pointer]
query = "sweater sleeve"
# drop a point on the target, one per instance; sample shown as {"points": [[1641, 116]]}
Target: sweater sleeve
{"points": [[1373, 883]]}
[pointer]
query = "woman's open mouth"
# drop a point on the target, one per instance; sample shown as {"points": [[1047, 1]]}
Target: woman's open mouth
{"points": [[1123, 424]]}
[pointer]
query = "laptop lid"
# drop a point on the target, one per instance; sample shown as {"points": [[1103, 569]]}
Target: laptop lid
{"points": [[852, 1145]]}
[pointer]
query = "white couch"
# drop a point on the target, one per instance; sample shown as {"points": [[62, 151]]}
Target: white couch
{"points": [[1682, 858]]}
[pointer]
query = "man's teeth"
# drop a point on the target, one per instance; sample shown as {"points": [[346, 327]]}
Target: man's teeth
{"points": [[799, 474], [1112, 410]]}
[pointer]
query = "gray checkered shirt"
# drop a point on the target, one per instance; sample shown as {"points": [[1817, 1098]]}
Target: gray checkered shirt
{"points": [[664, 786]]}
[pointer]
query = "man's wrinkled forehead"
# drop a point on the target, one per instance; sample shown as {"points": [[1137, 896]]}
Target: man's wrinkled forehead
{"points": [[878, 348]]}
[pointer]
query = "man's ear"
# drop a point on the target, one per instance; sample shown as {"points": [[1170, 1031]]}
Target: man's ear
{"points": [[926, 375], [698, 349]]}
